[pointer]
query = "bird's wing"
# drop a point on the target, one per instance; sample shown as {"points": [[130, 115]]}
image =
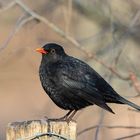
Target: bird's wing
{"points": [[83, 87]]}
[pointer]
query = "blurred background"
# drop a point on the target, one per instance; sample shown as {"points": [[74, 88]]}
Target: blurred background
{"points": [[103, 33]]}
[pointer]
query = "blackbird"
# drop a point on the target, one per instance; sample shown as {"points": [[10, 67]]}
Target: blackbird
{"points": [[72, 84]]}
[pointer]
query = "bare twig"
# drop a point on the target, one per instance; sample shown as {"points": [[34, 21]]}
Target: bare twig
{"points": [[123, 36], [99, 125], [20, 22], [47, 22], [108, 127], [134, 19], [135, 82], [68, 16], [128, 137], [10, 5]]}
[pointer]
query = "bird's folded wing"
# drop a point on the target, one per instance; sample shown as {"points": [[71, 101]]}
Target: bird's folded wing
{"points": [[85, 89]]}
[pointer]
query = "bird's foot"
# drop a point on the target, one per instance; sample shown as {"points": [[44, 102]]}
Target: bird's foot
{"points": [[55, 119], [59, 119], [68, 117]]}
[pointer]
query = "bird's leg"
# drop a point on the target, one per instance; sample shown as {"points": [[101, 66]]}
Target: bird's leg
{"points": [[68, 119], [65, 117]]}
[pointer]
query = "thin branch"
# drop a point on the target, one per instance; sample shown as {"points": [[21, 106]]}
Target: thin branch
{"points": [[123, 36], [128, 137], [46, 21], [68, 16], [99, 125], [10, 5], [134, 19], [20, 22], [122, 77], [108, 127], [135, 82]]}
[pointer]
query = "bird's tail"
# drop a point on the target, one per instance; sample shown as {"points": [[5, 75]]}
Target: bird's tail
{"points": [[124, 101]]}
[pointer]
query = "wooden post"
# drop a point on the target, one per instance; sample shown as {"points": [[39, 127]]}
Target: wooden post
{"points": [[42, 130]]}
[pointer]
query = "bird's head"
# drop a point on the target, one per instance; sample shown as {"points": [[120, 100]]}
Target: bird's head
{"points": [[51, 52]]}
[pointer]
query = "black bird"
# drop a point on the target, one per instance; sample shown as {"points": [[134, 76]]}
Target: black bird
{"points": [[72, 84]]}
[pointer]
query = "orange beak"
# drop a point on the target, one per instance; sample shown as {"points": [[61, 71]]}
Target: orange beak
{"points": [[41, 50]]}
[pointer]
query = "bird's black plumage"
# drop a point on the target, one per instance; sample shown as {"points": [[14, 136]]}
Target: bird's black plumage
{"points": [[72, 84]]}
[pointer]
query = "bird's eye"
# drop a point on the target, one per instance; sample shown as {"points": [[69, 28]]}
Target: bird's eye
{"points": [[52, 51]]}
